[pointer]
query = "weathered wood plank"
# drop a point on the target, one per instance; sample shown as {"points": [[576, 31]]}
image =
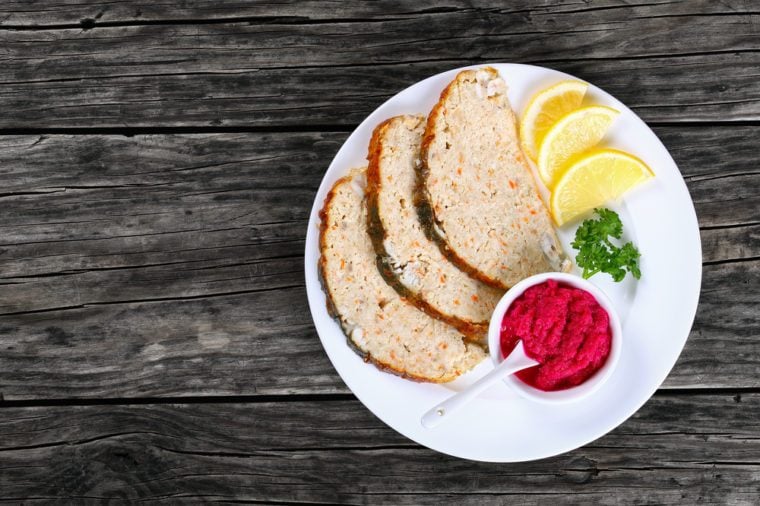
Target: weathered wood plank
{"points": [[194, 215], [248, 343], [172, 264], [669, 65], [21, 13], [676, 450], [234, 224], [659, 89]]}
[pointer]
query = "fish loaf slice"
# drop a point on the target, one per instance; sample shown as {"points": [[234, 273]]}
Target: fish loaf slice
{"points": [[380, 325], [477, 196]]}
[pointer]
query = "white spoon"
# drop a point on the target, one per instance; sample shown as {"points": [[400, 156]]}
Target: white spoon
{"points": [[516, 361]]}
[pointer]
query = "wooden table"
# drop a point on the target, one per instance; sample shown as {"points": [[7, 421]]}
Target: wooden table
{"points": [[158, 161]]}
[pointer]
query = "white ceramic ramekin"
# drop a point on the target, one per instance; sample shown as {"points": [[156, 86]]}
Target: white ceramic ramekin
{"points": [[570, 394]]}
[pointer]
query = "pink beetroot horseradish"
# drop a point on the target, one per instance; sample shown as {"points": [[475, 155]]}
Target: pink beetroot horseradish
{"points": [[563, 328]]}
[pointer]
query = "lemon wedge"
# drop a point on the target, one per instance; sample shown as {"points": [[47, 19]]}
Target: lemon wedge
{"points": [[574, 133], [544, 109], [595, 178]]}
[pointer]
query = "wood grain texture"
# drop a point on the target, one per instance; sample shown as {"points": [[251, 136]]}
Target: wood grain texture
{"points": [[25, 14], [171, 254], [699, 449], [171, 265], [273, 67]]}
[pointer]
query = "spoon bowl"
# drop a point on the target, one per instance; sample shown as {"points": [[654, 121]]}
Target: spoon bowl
{"points": [[516, 361]]}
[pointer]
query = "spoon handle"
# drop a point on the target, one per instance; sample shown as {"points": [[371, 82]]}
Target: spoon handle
{"points": [[516, 361]]}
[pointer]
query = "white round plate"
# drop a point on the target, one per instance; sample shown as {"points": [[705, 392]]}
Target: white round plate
{"points": [[657, 311]]}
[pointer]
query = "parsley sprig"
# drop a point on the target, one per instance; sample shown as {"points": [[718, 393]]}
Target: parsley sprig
{"points": [[597, 254]]}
